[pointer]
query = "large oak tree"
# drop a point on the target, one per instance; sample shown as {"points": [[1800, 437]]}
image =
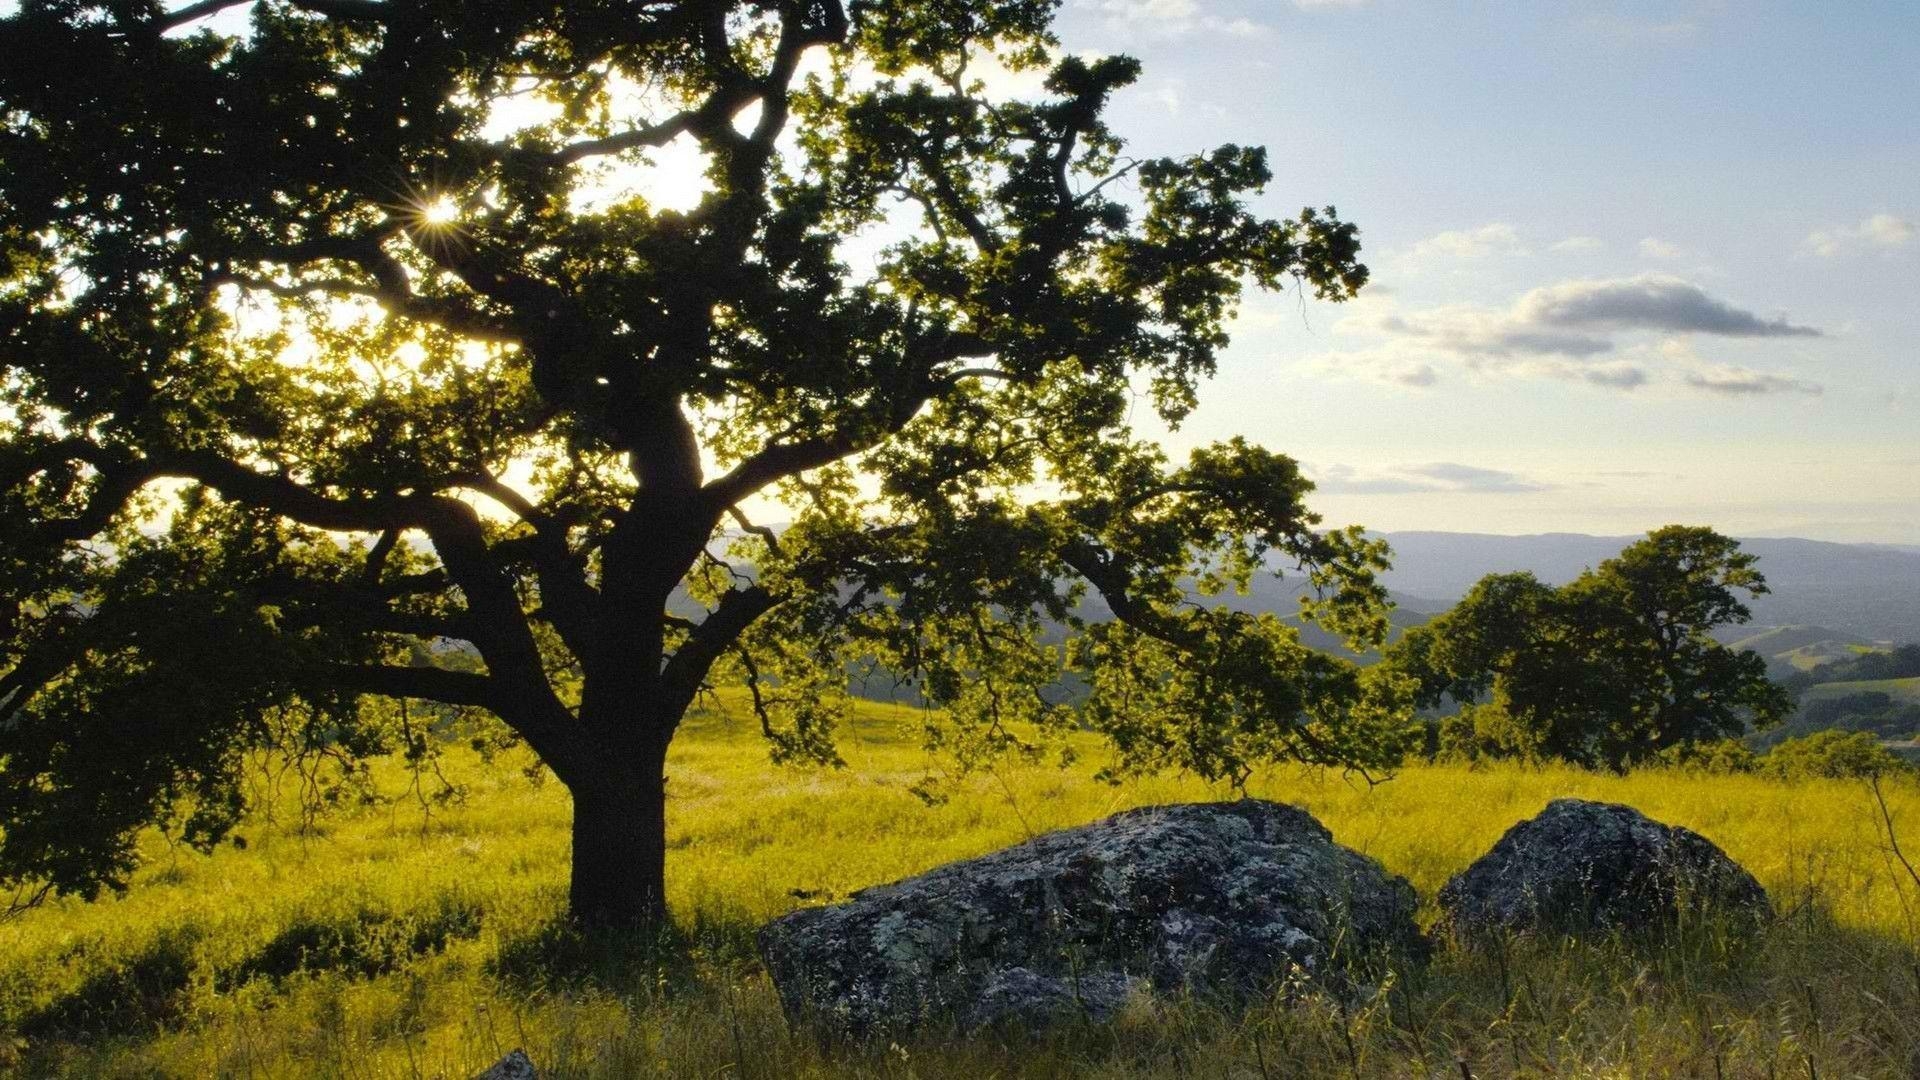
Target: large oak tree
{"points": [[341, 341]]}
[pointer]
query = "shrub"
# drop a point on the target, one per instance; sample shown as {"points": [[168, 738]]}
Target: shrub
{"points": [[1832, 754], [1720, 757]]}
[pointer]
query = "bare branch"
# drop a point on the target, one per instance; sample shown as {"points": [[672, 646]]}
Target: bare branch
{"points": [[766, 534]]}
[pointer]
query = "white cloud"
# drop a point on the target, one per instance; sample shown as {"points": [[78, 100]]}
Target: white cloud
{"points": [[1163, 11], [1583, 331], [1647, 302], [1392, 365], [1495, 238], [1883, 231], [1171, 18], [1578, 319], [1580, 243], [1655, 248], [1731, 379], [1437, 476]]}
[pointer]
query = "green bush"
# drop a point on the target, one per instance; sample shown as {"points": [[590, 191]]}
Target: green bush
{"points": [[1839, 755], [1721, 757]]}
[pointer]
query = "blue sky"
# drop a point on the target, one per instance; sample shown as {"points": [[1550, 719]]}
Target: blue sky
{"points": [[1633, 262]]}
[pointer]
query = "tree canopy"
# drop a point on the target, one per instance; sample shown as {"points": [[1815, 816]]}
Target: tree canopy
{"points": [[333, 332], [1614, 668]]}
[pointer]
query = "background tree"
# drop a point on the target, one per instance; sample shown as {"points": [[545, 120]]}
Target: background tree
{"points": [[1613, 668], [348, 336]]}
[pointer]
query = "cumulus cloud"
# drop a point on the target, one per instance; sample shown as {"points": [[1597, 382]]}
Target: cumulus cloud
{"points": [[1496, 238], [1438, 476], [1592, 332], [1881, 231], [1647, 302], [1580, 319], [1616, 375], [1581, 243]]}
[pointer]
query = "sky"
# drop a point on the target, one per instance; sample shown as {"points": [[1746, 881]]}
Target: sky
{"points": [[1633, 262]]}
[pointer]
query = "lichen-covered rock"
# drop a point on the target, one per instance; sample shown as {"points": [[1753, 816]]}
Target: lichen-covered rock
{"points": [[1218, 898], [1581, 866], [515, 1066]]}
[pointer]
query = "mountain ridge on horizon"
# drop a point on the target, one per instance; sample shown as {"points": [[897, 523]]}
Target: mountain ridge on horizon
{"points": [[1869, 590]]}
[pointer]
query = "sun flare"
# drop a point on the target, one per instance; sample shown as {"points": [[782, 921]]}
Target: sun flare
{"points": [[439, 211]]}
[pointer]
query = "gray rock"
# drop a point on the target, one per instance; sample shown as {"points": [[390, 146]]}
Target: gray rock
{"points": [[1020, 996], [515, 1066], [1214, 899], [1581, 866]]}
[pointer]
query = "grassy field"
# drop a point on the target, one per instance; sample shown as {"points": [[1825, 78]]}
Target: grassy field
{"points": [[1907, 689], [393, 941]]}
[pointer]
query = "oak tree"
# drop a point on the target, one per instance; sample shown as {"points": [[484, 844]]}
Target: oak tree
{"points": [[353, 353], [1615, 668]]}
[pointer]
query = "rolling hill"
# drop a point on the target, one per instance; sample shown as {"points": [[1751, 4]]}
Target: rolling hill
{"points": [[1795, 648]]}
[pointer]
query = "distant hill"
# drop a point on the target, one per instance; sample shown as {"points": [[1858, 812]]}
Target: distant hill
{"points": [[1281, 596], [1865, 591], [1795, 648]]}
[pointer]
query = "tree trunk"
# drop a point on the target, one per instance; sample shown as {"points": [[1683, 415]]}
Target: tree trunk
{"points": [[620, 844]]}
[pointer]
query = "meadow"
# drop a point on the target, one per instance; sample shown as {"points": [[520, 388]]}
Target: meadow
{"points": [[1907, 689], [415, 937]]}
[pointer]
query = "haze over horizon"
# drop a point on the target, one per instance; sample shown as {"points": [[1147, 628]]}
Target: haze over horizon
{"points": [[1634, 263]]}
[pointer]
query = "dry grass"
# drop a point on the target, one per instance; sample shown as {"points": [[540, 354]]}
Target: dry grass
{"points": [[392, 942]]}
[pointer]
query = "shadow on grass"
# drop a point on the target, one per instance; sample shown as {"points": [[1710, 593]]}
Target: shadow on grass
{"points": [[142, 991], [561, 955], [150, 989], [363, 943]]}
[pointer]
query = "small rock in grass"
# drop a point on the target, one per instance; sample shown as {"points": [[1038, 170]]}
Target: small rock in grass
{"points": [[515, 1066], [1582, 866]]}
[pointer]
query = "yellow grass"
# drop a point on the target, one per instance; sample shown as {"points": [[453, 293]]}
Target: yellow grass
{"points": [[437, 944]]}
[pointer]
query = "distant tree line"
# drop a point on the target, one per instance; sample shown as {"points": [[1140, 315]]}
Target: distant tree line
{"points": [[1830, 754], [1902, 662], [1870, 712]]}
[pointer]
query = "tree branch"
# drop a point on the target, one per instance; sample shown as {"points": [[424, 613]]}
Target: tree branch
{"points": [[335, 9], [425, 683], [707, 642]]}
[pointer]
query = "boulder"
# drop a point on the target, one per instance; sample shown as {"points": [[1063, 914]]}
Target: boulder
{"points": [[1581, 866], [1228, 898], [515, 1066]]}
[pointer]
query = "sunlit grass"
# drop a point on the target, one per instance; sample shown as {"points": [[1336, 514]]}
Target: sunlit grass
{"points": [[407, 941]]}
